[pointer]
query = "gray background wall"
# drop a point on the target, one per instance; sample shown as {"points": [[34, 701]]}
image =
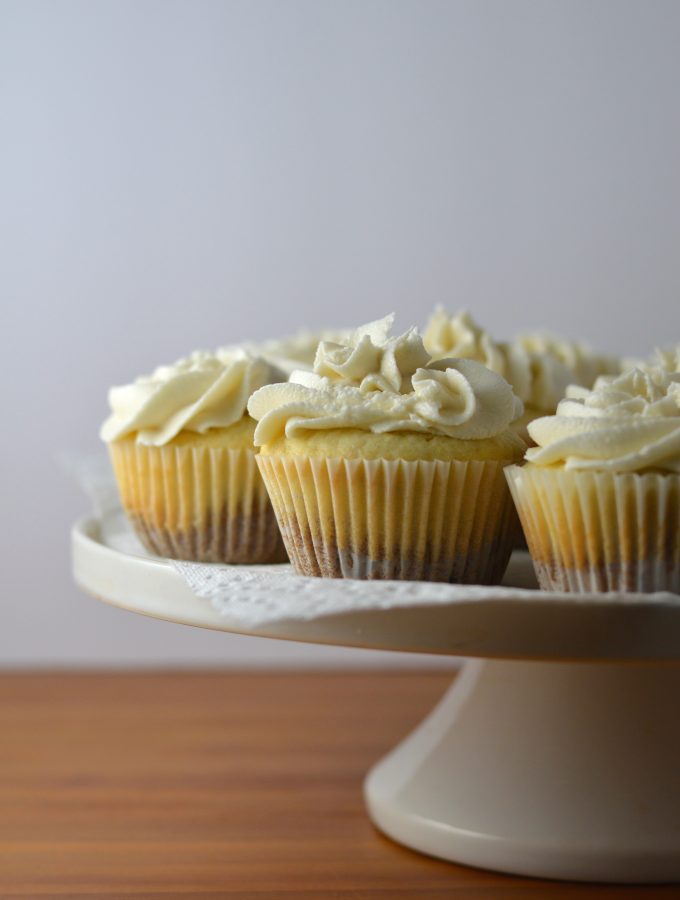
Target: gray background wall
{"points": [[176, 175]]}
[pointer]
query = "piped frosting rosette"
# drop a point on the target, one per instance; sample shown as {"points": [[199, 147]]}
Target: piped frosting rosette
{"points": [[294, 351], [665, 358], [539, 367], [599, 498], [382, 463], [668, 358], [181, 444], [199, 392]]}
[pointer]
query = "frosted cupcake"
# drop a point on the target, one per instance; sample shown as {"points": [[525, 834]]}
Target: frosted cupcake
{"points": [[599, 497], [181, 444], [384, 464], [538, 367]]}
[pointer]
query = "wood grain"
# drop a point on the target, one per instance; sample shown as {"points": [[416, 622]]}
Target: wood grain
{"points": [[204, 785]]}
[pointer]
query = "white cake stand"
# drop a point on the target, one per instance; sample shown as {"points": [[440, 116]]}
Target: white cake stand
{"points": [[556, 753]]}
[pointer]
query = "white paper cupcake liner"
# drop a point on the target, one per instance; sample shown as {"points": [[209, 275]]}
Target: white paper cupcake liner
{"points": [[207, 504], [392, 519], [600, 531]]}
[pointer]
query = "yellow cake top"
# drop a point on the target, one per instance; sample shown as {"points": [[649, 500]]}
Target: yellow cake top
{"points": [[351, 443]]}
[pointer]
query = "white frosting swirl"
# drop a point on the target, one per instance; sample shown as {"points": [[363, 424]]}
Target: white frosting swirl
{"points": [[294, 351], [668, 358], [540, 380], [201, 391], [373, 359], [582, 364], [538, 367], [461, 337], [625, 424], [382, 384]]}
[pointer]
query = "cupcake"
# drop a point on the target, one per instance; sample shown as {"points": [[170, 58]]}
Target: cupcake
{"points": [[538, 367], [382, 463], [181, 444], [599, 496]]}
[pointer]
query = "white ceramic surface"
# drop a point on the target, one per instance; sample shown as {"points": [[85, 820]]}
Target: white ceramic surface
{"points": [[556, 770], [538, 626], [553, 769]]}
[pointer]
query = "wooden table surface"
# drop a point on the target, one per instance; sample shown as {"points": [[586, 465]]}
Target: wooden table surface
{"points": [[204, 785]]}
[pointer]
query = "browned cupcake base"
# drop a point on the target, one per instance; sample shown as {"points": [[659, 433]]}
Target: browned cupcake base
{"points": [[639, 577], [237, 539], [485, 564]]}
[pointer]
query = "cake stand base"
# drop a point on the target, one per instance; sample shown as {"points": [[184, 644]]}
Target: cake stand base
{"points": [[555, 770]]}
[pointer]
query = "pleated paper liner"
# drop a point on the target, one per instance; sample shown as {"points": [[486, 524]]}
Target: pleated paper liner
{"points": [[207, 504], [600, 531], [392, 519]]}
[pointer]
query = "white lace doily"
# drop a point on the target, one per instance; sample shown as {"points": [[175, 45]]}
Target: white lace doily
{"points": [[258, 595]]}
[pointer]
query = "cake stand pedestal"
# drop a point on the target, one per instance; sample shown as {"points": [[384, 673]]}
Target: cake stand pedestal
{"points": [[556, 753], [558, 770]]}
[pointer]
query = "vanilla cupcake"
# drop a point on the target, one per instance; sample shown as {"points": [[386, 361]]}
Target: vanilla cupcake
{"points": [[181, 444], [599, 497], [384, 464], [538, 367]]}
